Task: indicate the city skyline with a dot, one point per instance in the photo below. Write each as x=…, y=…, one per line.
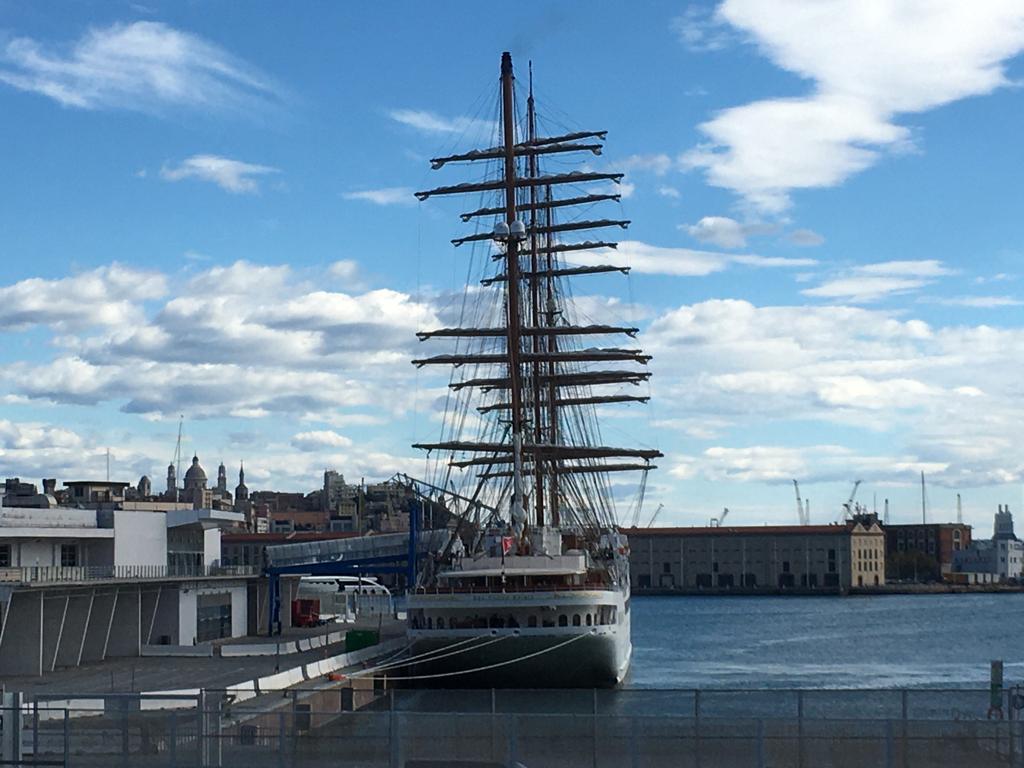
x=203, y=221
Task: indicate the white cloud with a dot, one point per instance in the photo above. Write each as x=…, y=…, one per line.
x=868, y=62
x=658, y=164
x=652, y=259
x=141, y=66
x=945, y=398
x=719, y=230
x=384, y=196
x=872, y=282
x=106, y=296
x=979, y=302
x=431, y=122
x=319, y=439
x=21, y=436
x=667, y=191
x=805, y=237
x=246, y=340
x=232, y=175
x=918, y=268
x=700, y=29
x=810, y=464
x=345, y=269
x=864, y=289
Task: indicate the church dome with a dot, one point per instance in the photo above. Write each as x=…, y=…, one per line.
x=195, y=474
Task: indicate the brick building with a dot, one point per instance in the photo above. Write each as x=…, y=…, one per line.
x=926, y=541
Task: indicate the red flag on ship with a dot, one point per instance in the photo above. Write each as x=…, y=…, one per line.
x=506, y=544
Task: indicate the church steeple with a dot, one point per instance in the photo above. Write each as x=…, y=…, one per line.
x=241, y=492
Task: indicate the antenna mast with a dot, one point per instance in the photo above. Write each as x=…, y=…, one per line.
x=959, y=511
x=177, y=457
x=924, y=509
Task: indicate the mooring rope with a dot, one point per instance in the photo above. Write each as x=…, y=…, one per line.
x=486, y=667
x=430, y=655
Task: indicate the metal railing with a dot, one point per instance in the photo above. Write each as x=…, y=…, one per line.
x=324, y=729
x=64, y=574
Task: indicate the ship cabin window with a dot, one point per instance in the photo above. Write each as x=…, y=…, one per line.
x=575, y=619
x=532, y=621
x=563, y=621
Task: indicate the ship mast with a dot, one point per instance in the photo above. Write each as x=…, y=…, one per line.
x=550, y=448
x=538, y=427
x=512, y=270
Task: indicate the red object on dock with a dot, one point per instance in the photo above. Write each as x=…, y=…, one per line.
x=305, y=612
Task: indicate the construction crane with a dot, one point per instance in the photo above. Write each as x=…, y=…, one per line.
x=639, y=502
x=803, y=514
x=655, y=515
x=716, y=522
x=848, y=504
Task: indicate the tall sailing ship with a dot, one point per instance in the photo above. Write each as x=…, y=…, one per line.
x=533, y=588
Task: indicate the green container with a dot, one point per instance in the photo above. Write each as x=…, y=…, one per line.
x=356, y=639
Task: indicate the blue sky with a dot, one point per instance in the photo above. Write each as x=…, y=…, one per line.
x=205, y=210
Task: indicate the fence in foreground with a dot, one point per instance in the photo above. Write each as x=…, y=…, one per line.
x=535, y=729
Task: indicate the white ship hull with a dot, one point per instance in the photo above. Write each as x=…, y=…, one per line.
x=502, y=650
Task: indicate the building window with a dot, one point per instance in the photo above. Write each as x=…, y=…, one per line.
x=68, y=555
x=5, y=555
x=563, y=621
x=666, y=567
x=213, y=617
x=785, y=566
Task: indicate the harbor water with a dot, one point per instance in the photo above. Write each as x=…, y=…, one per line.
x=940, y=640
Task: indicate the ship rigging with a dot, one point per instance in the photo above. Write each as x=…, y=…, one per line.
x=523, y=365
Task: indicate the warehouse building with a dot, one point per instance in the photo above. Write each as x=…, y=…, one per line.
x=767, y=557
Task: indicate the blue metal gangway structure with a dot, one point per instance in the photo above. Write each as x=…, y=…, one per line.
x=373, y=554
x=360, y=555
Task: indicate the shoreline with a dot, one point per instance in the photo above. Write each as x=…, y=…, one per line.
x=893, y=589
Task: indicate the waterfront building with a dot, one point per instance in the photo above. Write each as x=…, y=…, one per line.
x=924, y=551
x=1001, y=557
x=83, y=585
x=758, y=557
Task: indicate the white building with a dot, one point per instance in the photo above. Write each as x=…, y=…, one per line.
x=1002, y=556
x=83, y=585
